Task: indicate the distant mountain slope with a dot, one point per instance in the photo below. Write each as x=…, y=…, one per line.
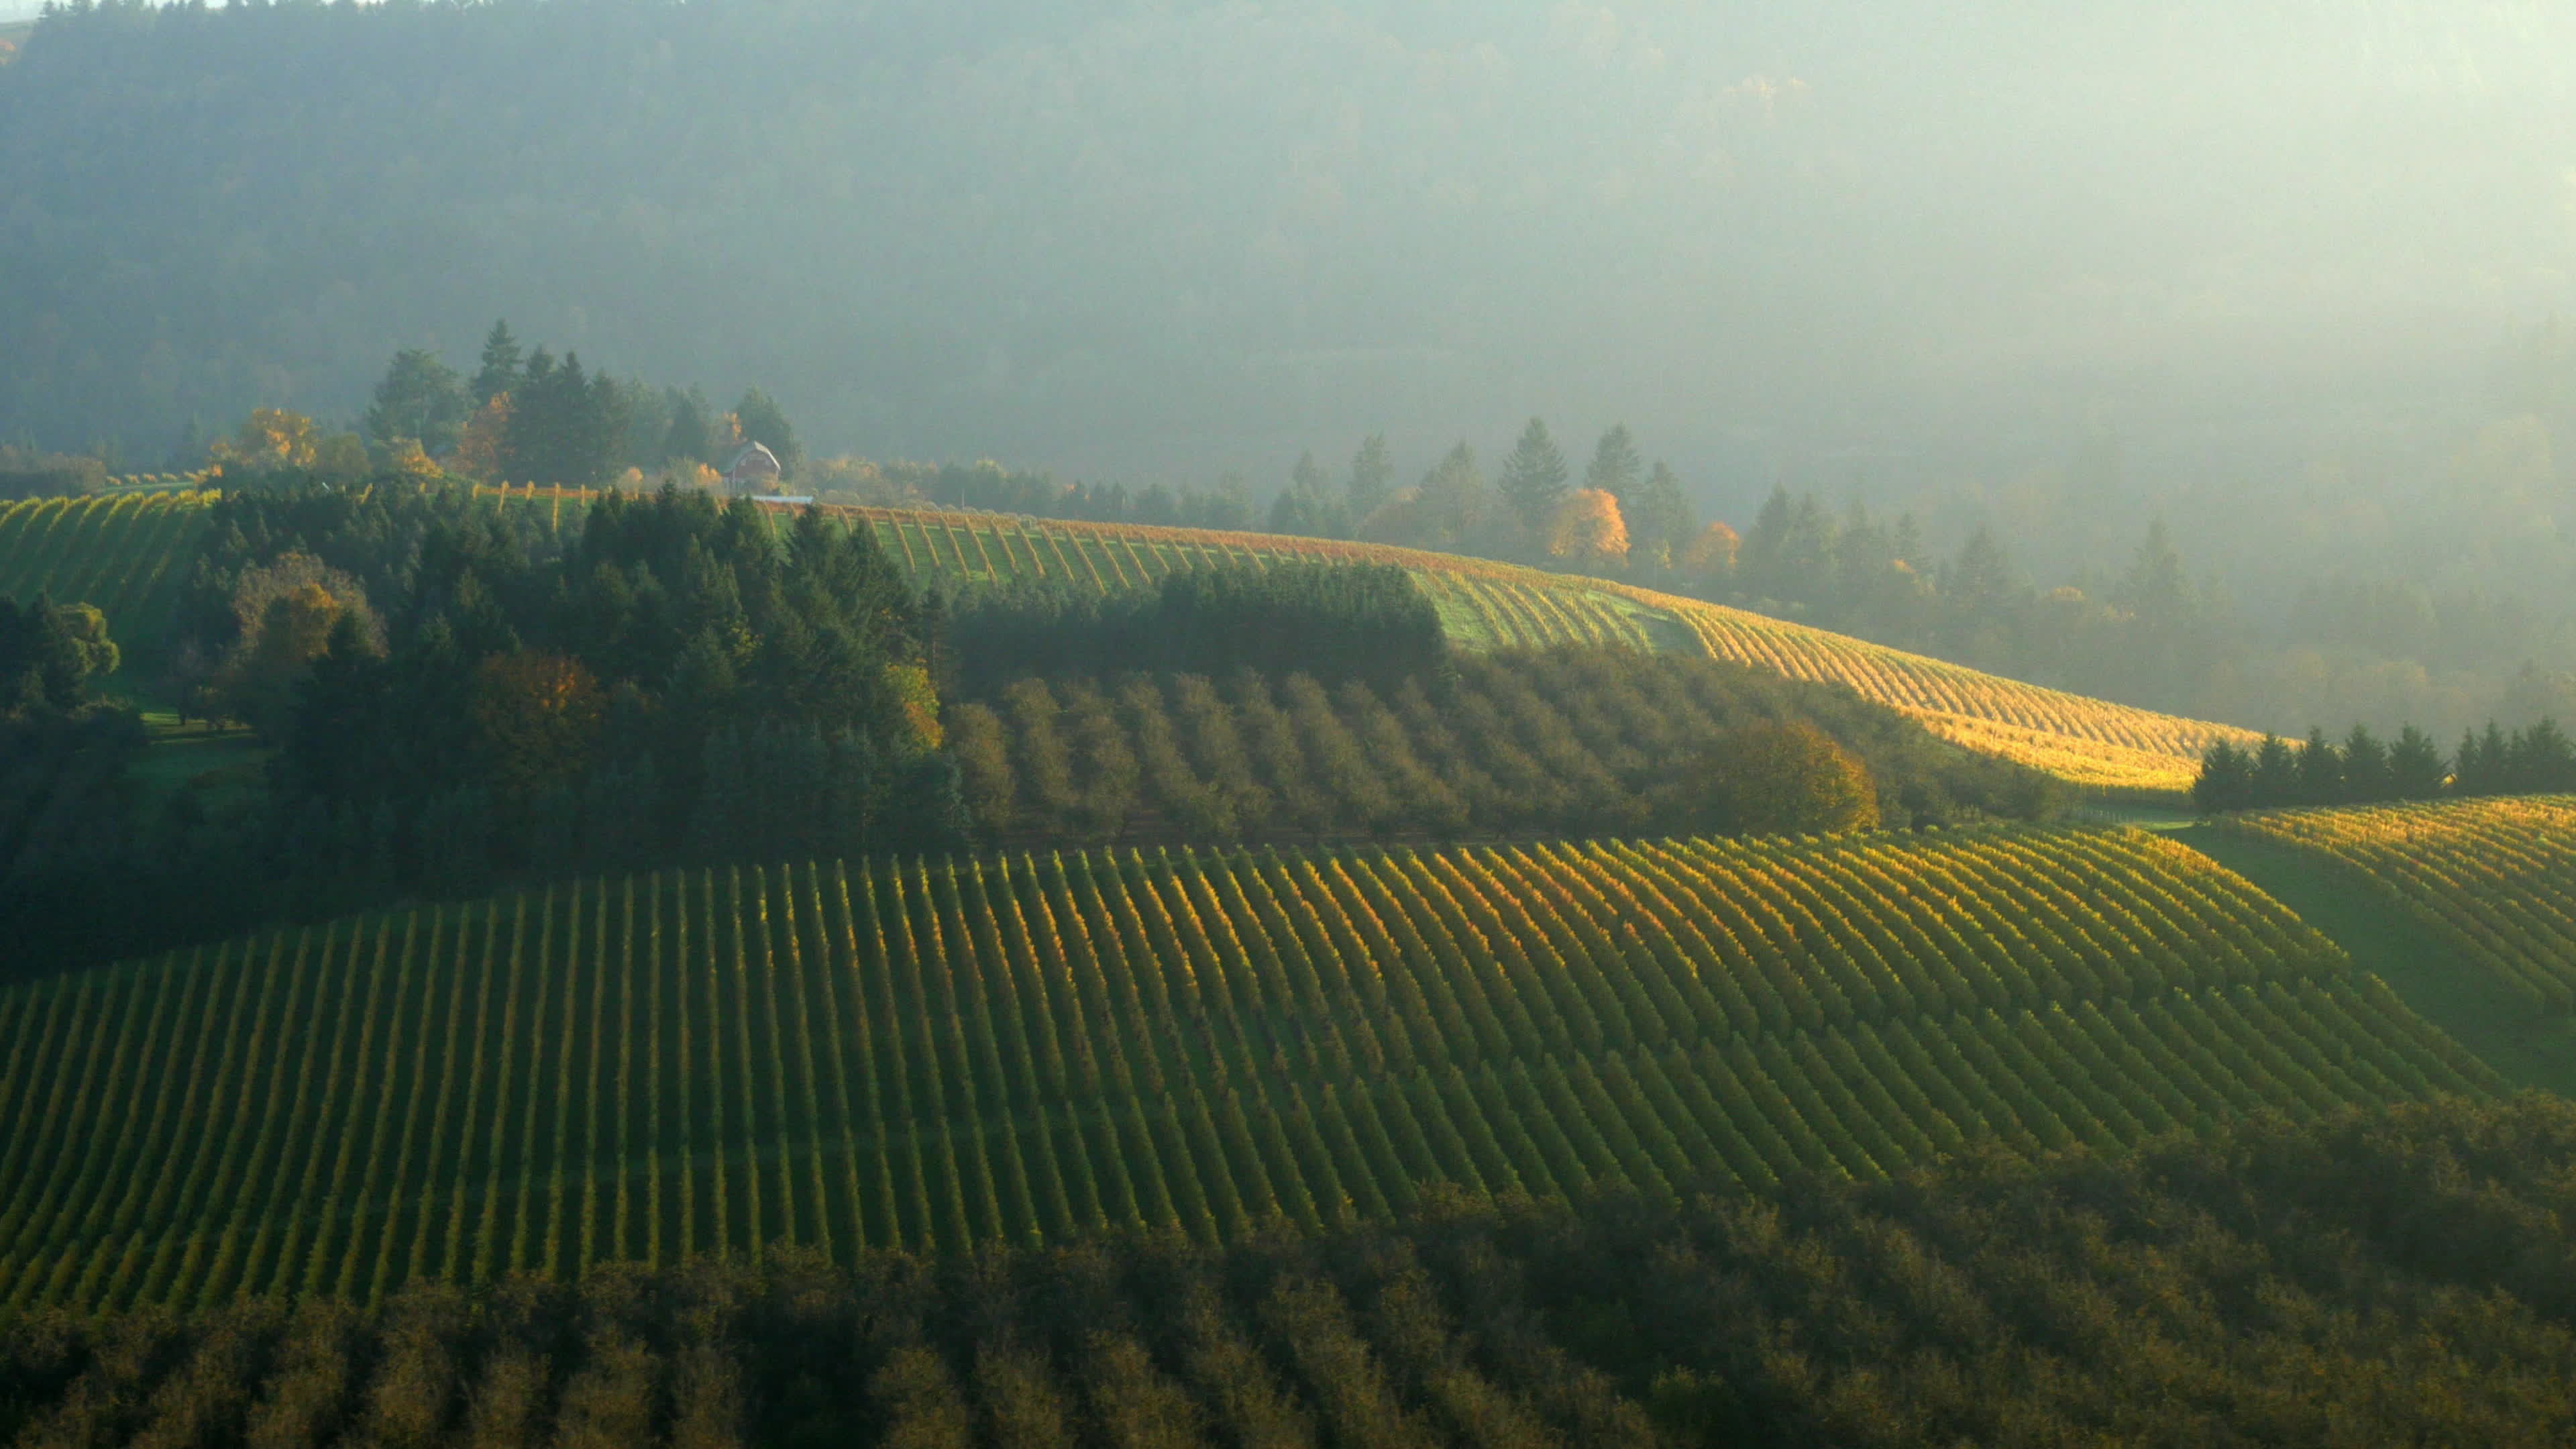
x=1032, y=1047
x=134, y=547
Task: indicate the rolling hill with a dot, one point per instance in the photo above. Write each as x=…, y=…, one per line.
x=1033, y=1047
x=134, y=548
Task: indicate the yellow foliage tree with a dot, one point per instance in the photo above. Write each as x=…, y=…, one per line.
x=1781, y=779
x=414, y=465
x=1588, y=528
x=919, y=700
x=270, y=438
x=286, y=614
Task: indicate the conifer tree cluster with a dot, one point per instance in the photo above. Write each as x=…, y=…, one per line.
x=2536, y=759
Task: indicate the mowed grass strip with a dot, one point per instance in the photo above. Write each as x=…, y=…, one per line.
x=2491, y=881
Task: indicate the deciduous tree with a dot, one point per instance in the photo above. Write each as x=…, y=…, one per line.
x=1588, y=529
x=1784, y=778
x=420, y=398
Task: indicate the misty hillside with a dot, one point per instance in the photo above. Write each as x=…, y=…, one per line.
x=1173, y=239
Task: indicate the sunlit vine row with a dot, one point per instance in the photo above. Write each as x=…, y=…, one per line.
x=1030, y=1047
x=128, y=553
x=2495, y=879
x=138, y=545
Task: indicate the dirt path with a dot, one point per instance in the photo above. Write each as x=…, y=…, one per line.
x=2528, y=1048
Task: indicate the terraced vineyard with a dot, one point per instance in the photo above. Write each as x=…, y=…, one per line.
x=128, y=553
x=1031, y=1047
x=2494, y=879
x=136, y=546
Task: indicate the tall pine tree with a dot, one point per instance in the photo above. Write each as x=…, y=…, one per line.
x=1534, y=476
x=500, y=371
x=1615, y=467
x=1372, y=479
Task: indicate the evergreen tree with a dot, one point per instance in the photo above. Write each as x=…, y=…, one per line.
x=1979, y=583
x=691, y=438
x=500, y=371
x=2226, y=780
x=2485, y=762
x=1372, y=478
x=2365, y=767
x=2276, y=773
x=2542, y=759
x=2320, y=770
x=565, y=426
x=2415, y=766
x=1452, y=498
x=420, y=398
x=1615, y=466
x=1534, y=478
x=1662, y=523
x=1306, y=507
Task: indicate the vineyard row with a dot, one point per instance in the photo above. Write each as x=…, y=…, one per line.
x=1036, y=1047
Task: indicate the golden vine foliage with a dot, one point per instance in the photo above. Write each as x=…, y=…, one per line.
x=938, y=1054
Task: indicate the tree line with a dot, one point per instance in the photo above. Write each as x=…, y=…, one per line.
x=2536, y=759
x=2374, y=1276
x=528, y=417
x=455, y=697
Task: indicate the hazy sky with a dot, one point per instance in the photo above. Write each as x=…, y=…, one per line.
x=1162, y=239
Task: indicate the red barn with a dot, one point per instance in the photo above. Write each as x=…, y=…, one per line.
x=753, y=470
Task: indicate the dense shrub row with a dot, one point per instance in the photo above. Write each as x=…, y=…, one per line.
x=2395, y=1277
x=1570, y=740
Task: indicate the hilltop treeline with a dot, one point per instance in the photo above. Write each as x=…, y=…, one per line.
x=458, y=696
x=2377, y=1277
x=2536, y=759
x=1333, y=621
x=1570, y=741
x=993, y=488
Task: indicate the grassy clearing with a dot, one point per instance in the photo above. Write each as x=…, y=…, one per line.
x=2526, y=1047
x=209, y=758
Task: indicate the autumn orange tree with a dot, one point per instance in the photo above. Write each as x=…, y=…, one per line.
x=1711, y=555
x=1588, y=529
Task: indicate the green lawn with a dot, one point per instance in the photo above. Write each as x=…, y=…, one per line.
x=210, y=759
x=2524, y=1046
